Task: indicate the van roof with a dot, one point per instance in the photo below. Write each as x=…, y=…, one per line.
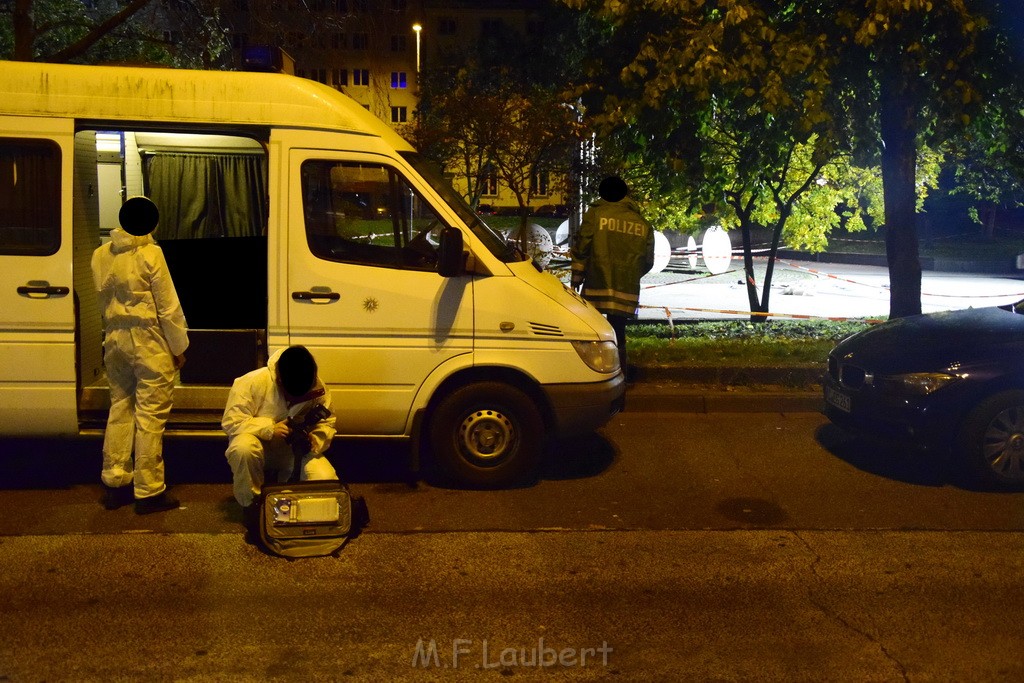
x=122, y=93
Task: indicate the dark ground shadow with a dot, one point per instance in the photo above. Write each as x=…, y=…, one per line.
x=581, y=457
x=64, y=463
x=899, y=463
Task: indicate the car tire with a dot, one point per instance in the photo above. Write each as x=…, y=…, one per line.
x=992, y=440
x=486, y=435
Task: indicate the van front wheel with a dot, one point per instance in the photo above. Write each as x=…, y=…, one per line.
x=487, y=435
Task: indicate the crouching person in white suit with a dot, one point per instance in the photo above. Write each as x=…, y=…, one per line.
x=261, y=419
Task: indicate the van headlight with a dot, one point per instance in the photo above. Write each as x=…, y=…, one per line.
x=915, y=383
x=600, y=356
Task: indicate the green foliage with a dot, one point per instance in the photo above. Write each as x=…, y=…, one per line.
x=772, y=330
x=114, y=31
x=775, y=343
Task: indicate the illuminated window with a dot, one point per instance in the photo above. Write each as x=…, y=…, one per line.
x=398, y=79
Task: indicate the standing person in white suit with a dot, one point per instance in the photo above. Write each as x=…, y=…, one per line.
x=144, y=346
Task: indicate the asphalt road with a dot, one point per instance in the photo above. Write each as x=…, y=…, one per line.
x=667, y=547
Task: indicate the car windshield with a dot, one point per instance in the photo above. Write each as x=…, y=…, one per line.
x=494, y=242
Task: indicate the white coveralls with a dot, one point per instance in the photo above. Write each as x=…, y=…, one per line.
x=255, y=404
x=145, y=329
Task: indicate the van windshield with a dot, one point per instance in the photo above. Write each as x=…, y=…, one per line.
x=508, y=252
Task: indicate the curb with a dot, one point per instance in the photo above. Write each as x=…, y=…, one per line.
x=726, y=390
x=641, y=399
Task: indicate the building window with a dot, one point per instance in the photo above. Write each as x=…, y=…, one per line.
x=398, y=43
x=398, y=79
x=339, y=41
x=319, y=75
x=446, y=26
x=360, y=77
x=489, y=184
x=491, y=28
x=399, y=114
x=339, y=77
x=360, y=41
x=29, y=180
x=539, y=183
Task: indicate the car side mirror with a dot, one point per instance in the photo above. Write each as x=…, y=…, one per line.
x=450, y=259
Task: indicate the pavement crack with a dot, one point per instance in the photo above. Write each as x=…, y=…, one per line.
x=836, y=616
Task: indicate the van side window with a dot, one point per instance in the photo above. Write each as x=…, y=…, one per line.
x=29, y=197
x=368, y=214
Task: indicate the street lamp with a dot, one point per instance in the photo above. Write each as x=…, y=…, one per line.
x=417, y=28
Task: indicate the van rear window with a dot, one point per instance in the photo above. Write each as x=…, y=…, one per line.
x=30, y=197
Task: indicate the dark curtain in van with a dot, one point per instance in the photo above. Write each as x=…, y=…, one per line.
x=29, y=197
x=208, y=195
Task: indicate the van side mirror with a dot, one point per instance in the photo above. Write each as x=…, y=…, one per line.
x=450, y=261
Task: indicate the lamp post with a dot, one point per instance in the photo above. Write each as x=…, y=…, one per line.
x=417, y=28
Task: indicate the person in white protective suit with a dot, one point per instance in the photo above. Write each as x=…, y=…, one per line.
x=144, y=345
x=276, y=416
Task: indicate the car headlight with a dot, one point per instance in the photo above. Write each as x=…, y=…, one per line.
x=600, y=356
x=915, y=383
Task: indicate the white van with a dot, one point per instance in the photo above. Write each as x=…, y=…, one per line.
x=288, y=215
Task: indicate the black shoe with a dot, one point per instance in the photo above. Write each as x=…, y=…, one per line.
x=157, y=503
x=251, y=522
x=115, y=497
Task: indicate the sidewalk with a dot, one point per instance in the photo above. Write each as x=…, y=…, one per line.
x=725, y=390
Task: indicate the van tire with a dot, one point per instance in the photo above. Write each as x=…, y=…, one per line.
x=487, y=435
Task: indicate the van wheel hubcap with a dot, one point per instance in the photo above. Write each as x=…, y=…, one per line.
x=486, y=435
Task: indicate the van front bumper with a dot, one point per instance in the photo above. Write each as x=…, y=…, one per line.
x=582, y=408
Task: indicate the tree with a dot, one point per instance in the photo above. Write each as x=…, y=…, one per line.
x=496, y=109
x=988, y=159
x=874, y=78
x=729, y=98
x=173, y=32
x=910, y=66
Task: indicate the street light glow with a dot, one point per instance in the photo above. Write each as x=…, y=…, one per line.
x=417, y=28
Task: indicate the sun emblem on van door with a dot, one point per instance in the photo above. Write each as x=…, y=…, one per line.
x=370, y=305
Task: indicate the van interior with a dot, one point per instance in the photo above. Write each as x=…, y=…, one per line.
x=211, y=190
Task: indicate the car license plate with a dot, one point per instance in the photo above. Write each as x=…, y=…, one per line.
x=836, y=398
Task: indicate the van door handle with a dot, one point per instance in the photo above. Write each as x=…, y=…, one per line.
x=42, y=290
x=313, y=296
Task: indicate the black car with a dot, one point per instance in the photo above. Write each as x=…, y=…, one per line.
x=937, y=381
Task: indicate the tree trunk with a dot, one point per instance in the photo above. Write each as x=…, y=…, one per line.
x=24, y=30
x=748, y=273
x=899, y=161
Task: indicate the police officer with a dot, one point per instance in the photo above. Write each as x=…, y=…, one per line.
x=613, y=250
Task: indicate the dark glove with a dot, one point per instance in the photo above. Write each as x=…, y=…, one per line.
x=577, y=281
